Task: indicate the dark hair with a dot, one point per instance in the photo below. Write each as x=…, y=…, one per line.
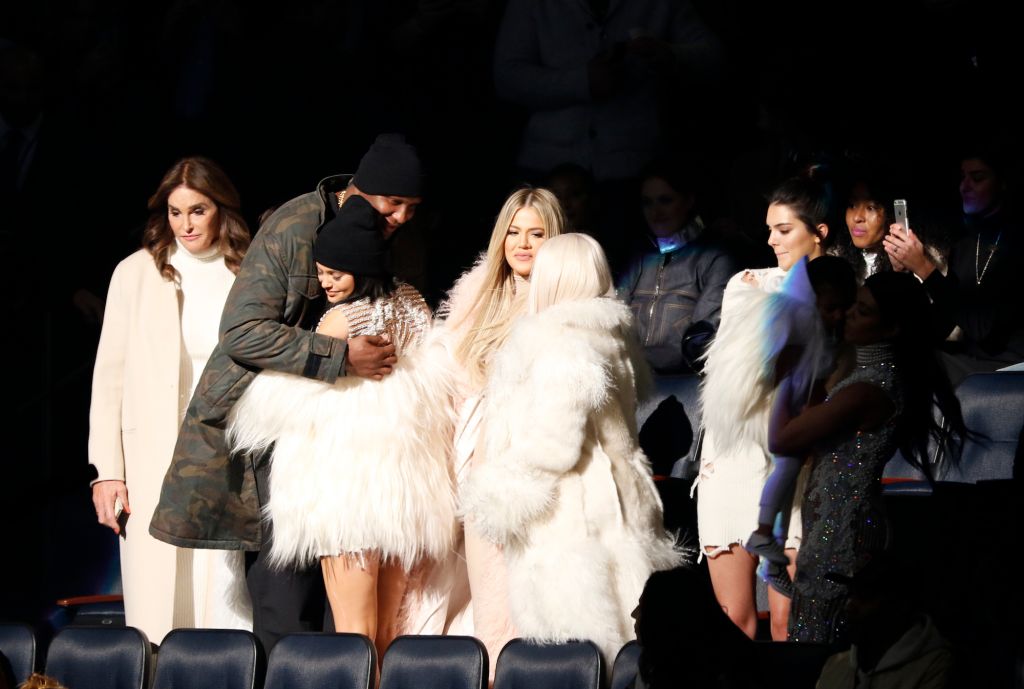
x=207, y=178
x=374, y=287
x=992, y=156
x=809, y=199
x=879, y=191
x=904, y=303
x=835, y=273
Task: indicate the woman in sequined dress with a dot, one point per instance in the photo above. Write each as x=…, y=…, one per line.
x=884, y=404
x=359, y=476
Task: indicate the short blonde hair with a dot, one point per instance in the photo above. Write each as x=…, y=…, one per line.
x=569, y=268
x=492, y=310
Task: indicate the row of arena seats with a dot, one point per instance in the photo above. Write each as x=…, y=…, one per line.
x=121, y=658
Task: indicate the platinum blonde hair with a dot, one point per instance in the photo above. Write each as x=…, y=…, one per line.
x=493, y=309
x=571, y=267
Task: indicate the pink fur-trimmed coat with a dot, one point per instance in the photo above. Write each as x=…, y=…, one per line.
x=564, y=486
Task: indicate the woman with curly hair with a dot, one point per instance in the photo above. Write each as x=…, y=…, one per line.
x=160, y=325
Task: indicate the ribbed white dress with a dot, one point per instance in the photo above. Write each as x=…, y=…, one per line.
x=217, y=597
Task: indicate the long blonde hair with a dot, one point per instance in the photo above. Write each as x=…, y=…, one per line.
x=495, y=305
x=569, y=268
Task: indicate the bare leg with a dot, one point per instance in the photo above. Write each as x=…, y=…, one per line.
x=391, y=586
x=778, y=605
x=732, y=577
x=351, y=584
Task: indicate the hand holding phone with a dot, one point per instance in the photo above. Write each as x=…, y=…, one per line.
x=899, y=207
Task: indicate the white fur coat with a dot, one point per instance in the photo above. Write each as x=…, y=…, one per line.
x=563, y=484
x=760, y=315
x=357, y=465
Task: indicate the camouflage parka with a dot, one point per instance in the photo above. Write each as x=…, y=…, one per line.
x=209, y=499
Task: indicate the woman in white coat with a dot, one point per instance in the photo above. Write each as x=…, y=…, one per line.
x=476, y=319
x=160, y=324
x=564, y=487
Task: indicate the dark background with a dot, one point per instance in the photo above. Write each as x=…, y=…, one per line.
x=284, y=94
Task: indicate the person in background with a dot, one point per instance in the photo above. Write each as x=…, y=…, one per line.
x=978, y=307
x=159, y=329
x=675, y=287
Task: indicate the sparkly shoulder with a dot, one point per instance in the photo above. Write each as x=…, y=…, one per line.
x=875, y=366
x=403, y=316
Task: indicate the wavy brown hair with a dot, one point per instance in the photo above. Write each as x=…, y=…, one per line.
x=206, y=177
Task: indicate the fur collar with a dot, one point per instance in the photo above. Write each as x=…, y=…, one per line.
x=599, y=313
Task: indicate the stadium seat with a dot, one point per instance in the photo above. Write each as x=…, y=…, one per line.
x=100, y=658
x=570, y=665
x=322, y=661
x=208, y=659
x=17, y=652
x=434, y=662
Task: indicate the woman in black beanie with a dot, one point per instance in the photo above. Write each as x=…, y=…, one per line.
x=359, y=475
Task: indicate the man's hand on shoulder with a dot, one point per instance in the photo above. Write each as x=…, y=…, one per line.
x=370, y=356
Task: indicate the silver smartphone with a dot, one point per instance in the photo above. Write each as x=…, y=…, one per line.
x=899, y=208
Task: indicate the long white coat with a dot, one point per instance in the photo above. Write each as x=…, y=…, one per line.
x=564, y=486
x=134, y=417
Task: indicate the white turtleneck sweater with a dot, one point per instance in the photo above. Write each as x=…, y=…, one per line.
x=211, y=584
x=205, y=283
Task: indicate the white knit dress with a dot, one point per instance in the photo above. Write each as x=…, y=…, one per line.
x=736, y=397
x=217, y=597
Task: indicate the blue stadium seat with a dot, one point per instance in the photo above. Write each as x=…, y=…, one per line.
x=322, y=661
x=208, y=659
x=570, y=665
x=627, y=664
x=993, y=406
x=17, y=652
x=100, y=658
x=434, y=662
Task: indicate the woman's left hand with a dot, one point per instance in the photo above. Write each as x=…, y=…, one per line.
x=906, y=252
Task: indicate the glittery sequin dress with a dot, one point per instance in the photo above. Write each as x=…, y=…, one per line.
x=843, y=515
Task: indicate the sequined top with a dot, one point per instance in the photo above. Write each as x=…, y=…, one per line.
x=843, y=515
x=403, y=316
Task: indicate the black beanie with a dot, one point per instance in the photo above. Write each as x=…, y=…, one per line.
x=390, y=168
x=351, y=241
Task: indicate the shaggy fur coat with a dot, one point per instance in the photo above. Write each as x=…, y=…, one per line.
x=563, y=485
x=358, y=464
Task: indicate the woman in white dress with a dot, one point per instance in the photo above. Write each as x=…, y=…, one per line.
x=736, y=396
x=160, y=324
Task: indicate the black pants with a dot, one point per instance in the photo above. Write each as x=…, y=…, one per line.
x=284, y=601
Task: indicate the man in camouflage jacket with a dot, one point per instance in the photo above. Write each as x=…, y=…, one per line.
x=210, y=499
